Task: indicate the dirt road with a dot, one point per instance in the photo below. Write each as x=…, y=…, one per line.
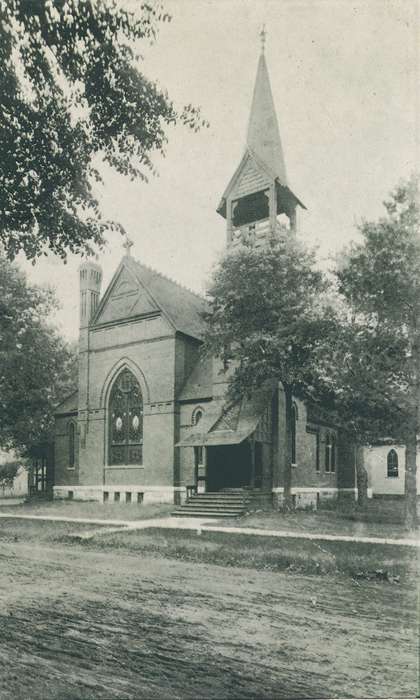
x=80, y=623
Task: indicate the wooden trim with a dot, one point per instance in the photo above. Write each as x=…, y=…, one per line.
x=132, y=342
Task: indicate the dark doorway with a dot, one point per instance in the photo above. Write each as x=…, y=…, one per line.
x=228, y=467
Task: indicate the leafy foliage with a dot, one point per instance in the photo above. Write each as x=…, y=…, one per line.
x=37, y=368
x=375, y=367
x=266, y=316
x=71, y=90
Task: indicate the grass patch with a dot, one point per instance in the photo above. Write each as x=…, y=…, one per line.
x=13, y=530
x=381, y=518
x=91, y=509
x=270, y=554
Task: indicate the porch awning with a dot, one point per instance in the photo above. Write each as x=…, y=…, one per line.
x=226, y=425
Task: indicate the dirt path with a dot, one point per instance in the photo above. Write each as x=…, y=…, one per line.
x=204, y=525
x=79, y=623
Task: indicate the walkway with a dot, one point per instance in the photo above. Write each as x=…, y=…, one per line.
x=201, y=525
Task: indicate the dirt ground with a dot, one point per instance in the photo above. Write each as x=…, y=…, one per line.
x=77, y=622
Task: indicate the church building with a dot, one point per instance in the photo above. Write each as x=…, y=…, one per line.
x=150, y=421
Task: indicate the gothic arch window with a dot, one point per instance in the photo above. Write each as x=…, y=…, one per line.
x=72, y=445
x=294, y=418
x=392, y=464
x=125, y=420
x=197, y=415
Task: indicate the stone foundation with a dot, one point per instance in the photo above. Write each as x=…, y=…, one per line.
x=311, y=497
x=121, y=493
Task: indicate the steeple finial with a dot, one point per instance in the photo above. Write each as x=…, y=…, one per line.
x=128, y=244
x=263, y=37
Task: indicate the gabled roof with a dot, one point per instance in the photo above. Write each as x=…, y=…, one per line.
x=69, y=405
x=199, y=384
x=181, y=306
x=227, y=425
x=264, y=168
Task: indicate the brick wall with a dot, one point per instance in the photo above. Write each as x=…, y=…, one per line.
x=308, y=482
x=63, y=473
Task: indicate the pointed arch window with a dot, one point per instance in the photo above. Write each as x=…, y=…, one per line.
x=125, y=421
x=330, y=452
x=392, y=464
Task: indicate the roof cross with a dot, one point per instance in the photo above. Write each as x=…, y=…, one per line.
x=128, y=244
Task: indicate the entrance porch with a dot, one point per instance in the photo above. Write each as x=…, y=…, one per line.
x=233, y=466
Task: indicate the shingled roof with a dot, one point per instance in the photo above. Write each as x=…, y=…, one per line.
x=182, y=307
x=69, y=405
x=199, y=384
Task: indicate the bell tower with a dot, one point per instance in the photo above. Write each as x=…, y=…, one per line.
x=90, y=280
x=258, y=204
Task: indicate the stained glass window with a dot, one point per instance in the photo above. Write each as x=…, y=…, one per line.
x=126, y=421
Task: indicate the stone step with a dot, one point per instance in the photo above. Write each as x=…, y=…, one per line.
x=185, y=513
x=223, y=501
x=216, y=508
x=217, y=500
x=225, y=496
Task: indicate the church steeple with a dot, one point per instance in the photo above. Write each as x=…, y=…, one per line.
x=258, y=192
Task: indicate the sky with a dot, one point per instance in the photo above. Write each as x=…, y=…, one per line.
x=344, y=77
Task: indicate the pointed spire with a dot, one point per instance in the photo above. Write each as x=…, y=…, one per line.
x=263, y=137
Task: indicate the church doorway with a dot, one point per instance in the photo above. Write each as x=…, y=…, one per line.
x=228, y=467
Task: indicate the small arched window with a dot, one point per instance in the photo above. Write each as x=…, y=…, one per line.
x=196, y=416
x=72, y=444
x=294, y=418
x=392, y=464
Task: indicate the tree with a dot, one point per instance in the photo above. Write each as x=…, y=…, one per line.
x=362, y=379
x=71, y=90
x=266, y=318
x=37, y=368
x=377, y=365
